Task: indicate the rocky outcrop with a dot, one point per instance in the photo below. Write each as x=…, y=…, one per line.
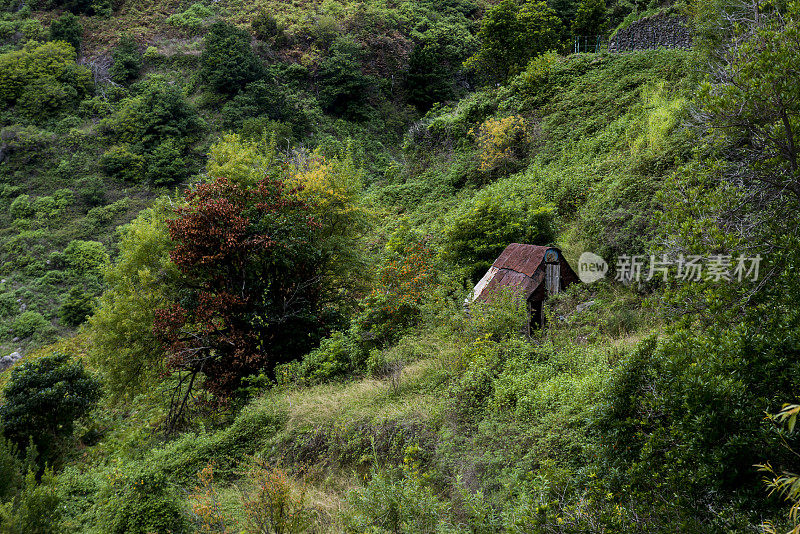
x=9, y=360
x=656, y=31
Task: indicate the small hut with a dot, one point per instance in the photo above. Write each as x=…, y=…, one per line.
x=537, y=272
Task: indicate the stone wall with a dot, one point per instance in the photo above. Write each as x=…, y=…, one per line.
x=652, y=32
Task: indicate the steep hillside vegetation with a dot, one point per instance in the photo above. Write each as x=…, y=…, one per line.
x=236, y=241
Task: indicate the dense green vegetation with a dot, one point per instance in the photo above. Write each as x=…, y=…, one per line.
x=235, y=242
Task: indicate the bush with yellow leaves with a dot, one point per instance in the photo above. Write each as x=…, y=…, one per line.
x=502, y=143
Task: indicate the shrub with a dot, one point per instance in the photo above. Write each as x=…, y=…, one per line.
x=43, y=398
x=337, y=355
x=140, y=500
x=265, y=26
x=91, y=190
x=264, y=99
x=76, y=307
x=120, y=163
x=193, y=20
x=43, y=78
x=160, y=112
x=127, y=60
x=10, y=469
x=270, y=500
x=482, y=227
x=502, y=143
x=273, y=502
x=394, y=501
x=685, y=415
x=67, y=28
x=434, y=65
x=85, y=257
x=166, y=164
x=343, y=88
x=22, y=208
x=37, y=509
x=28, y=324
x=227, y=62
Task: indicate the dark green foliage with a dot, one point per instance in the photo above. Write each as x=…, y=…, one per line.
x=76, y=307
x=91, y=190
x=120, y=163
x=88, y=7
x=161, y=113
x=127, y=60
x=343, y=88
x=265, y=26
x=434, y=65
x=686, y=415
x=337, y=356
x=10, y=469
x=265, y=99
x=166, y=164
x=67, y=28
x=591, y=18
x=142, y=501
x=43, y=399
x=228, y=63
x=512, y=34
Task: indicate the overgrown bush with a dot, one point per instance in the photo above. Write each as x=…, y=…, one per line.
x=76, y=307
x=43, y=79
x=85, y=257
x=28, y=324
x=228, y=63
x=44, y=398
x=513, y=34
x=127, y=60
x=36, y=509
x=395, y=501
x=67, y=28
x=140, y=500
x=193, y=19
x=482, y=227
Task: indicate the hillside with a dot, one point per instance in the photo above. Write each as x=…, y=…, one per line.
x=236, y=242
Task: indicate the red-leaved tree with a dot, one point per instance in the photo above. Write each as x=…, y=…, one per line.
x=251, y=288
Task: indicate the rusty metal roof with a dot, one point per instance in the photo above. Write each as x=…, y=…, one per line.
x=521, y=258
x=521, y=267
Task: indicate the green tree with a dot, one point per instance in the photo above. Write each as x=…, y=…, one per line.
x=37, y=509
x=511, y=35
x=67, y=28
x=343, y=88
x=139, y=281
x=434, y=65
x=127, y=60
x=43, y=398
x=591, y=19
x=159, y=113
x=227, y=62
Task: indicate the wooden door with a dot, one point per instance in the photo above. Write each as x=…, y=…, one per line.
x=552, y=279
